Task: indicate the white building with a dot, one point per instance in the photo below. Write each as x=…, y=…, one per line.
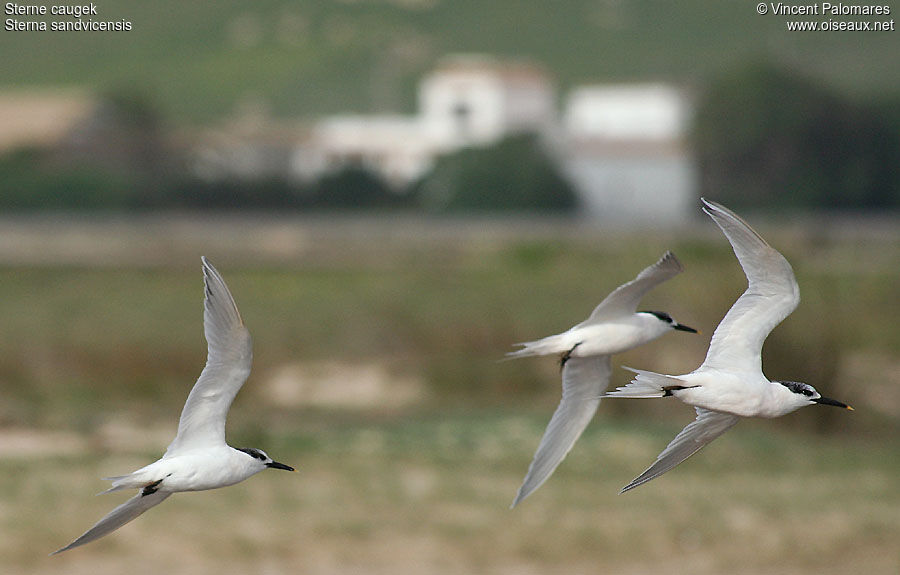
x=623, y=112
x=625, y=150
x=624, y=147
x=472, y=100
x=466, y=100
x=396, y=147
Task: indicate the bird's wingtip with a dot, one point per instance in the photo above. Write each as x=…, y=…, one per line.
x=670, y=257
x=634, y=483
x=710, y=206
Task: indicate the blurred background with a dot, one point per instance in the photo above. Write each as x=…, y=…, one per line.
x=396, y=192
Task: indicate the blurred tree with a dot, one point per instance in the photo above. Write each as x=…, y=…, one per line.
x=353, y=187
x=234, y=193
x=349, y=188
x=33, y=180
x=516, y=174
x=766, y=136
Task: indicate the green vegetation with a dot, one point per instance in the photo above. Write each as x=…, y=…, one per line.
x=352, y=188
x=309, y=57
x=768, y=137
x=127, y=167
x=516, y=174
x=34, y=180
x=443, y=310
x=786, y=119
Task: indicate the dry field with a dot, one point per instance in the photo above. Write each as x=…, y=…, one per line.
x=376, y=374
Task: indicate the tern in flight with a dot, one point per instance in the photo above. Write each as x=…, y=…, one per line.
x=585, y=349
x=730, y=384
x=198, y=458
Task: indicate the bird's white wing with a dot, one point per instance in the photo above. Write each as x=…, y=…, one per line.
x=229, y=355
x=771, y=295
x=118, y=517
x=584, y=379
x=625, y=298
x=708, y=426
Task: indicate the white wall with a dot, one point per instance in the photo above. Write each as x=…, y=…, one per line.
x=648, y=112
x=499, y=98
x=655, y=188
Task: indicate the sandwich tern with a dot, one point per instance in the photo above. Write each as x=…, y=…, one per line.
x=198, y=458
x=730, y=384
x=585, y=349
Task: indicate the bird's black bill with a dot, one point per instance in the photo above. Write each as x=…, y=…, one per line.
x=834, y=402
x=276, y=465
x=680, y=327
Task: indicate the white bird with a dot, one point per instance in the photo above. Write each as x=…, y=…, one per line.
x=730, y=384
x=613, y=327
x=198, y=458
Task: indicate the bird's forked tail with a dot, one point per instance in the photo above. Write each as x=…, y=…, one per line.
x=647, y=384
x=546, y=346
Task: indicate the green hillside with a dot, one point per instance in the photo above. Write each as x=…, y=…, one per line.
x=199, y=61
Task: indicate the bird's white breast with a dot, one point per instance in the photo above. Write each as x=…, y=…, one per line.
x=203, y=469
x=613, y=337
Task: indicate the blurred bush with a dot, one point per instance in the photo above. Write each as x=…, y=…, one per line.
x=349, y=188
x=35, y=179
x=515, y=174
x=355, y=187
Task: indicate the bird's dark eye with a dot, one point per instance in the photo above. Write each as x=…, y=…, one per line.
x=798, y=387
x=662, y=316
x=254, y=453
